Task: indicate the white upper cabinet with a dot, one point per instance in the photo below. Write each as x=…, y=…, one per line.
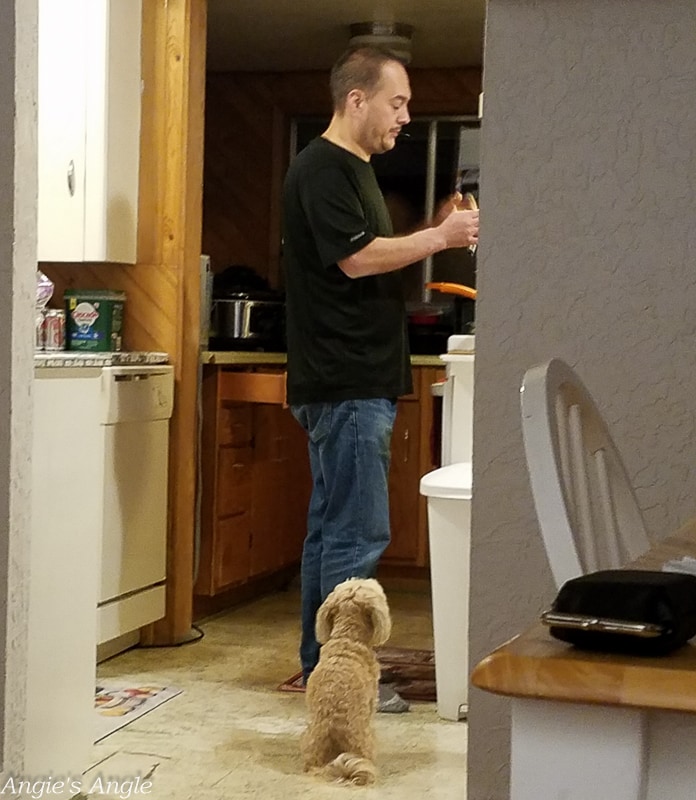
x=88, y=129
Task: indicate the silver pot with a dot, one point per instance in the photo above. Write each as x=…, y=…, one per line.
x=242, y=318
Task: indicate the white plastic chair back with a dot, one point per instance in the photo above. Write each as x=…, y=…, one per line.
x=587, y=510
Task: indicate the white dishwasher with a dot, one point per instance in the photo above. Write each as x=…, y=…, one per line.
x=137, y=404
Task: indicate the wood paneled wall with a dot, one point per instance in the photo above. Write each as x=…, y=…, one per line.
x=247, y=144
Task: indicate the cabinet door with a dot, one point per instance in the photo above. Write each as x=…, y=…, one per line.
x=226, y=469
x=62, y=34
x=231, y=561
x=89, y=89
x=282, y=486
x=234, y=480
x=112, y=130
x=232, y=518
x=270, y=490
x=404, y=477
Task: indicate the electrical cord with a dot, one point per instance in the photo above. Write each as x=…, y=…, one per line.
x=191, y=640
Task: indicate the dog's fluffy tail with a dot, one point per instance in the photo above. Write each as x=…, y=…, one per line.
x=350, y=768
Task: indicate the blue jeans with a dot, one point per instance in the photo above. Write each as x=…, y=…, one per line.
x=348, y=517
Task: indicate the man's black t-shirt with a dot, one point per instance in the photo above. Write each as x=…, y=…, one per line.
x=347, y=337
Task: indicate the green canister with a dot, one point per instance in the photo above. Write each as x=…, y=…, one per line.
x=94, y=319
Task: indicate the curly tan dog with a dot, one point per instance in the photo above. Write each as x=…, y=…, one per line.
x=342, y=691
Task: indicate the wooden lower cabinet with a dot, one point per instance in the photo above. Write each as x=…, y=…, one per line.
x=255, y=486
x=256, y=483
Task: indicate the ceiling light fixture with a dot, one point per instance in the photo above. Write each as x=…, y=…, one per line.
x=396, y=36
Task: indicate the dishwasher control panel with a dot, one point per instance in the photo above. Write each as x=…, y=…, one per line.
x=138, y=392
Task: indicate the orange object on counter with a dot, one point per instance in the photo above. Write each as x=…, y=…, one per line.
x=453, y=288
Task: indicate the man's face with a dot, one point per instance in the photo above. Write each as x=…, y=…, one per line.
x=386, y=111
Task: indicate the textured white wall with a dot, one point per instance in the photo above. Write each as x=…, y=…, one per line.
x=17, y=290
x=588, y=252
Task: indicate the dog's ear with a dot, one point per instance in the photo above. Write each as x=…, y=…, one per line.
x=381, y=623
x=377, y=609
x=325, y=622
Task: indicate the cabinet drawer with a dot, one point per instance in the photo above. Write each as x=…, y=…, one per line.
x=236, y=425
x=253, y=387
x=234, y=480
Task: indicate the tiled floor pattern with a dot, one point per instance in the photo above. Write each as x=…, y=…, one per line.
x=231, y=735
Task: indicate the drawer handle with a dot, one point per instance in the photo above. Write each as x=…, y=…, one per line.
x=71, y=178
x=131, y=377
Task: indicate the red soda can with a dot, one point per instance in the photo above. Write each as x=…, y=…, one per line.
x=54, y=326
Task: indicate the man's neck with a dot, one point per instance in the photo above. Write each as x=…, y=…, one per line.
x=339, y=133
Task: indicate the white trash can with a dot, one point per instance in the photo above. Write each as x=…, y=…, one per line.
x=448, y=491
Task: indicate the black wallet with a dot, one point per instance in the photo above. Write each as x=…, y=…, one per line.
x=625, y=611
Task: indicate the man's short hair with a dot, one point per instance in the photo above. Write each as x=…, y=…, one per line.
x=360, y=67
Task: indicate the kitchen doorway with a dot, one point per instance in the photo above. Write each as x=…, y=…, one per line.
x=257, y=92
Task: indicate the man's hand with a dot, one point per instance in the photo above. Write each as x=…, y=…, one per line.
x=461, y=228
x=446, y=207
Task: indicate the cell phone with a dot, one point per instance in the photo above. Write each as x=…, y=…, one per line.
x=644, y=630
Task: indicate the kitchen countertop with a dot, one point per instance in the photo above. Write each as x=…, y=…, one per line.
x=237, y=358
x=75, y=358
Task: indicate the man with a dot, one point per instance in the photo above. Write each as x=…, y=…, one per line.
x=347, y=340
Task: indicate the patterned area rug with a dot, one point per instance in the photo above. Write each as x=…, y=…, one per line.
x=412, y=672
x=117, y=704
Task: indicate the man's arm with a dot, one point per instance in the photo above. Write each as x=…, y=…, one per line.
x=458, y=229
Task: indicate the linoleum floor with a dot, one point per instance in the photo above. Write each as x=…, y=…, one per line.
x=231, y=735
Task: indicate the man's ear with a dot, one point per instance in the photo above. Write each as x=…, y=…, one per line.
x=355, y=99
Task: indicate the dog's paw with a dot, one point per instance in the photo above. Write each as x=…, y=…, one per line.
x=350, y=768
